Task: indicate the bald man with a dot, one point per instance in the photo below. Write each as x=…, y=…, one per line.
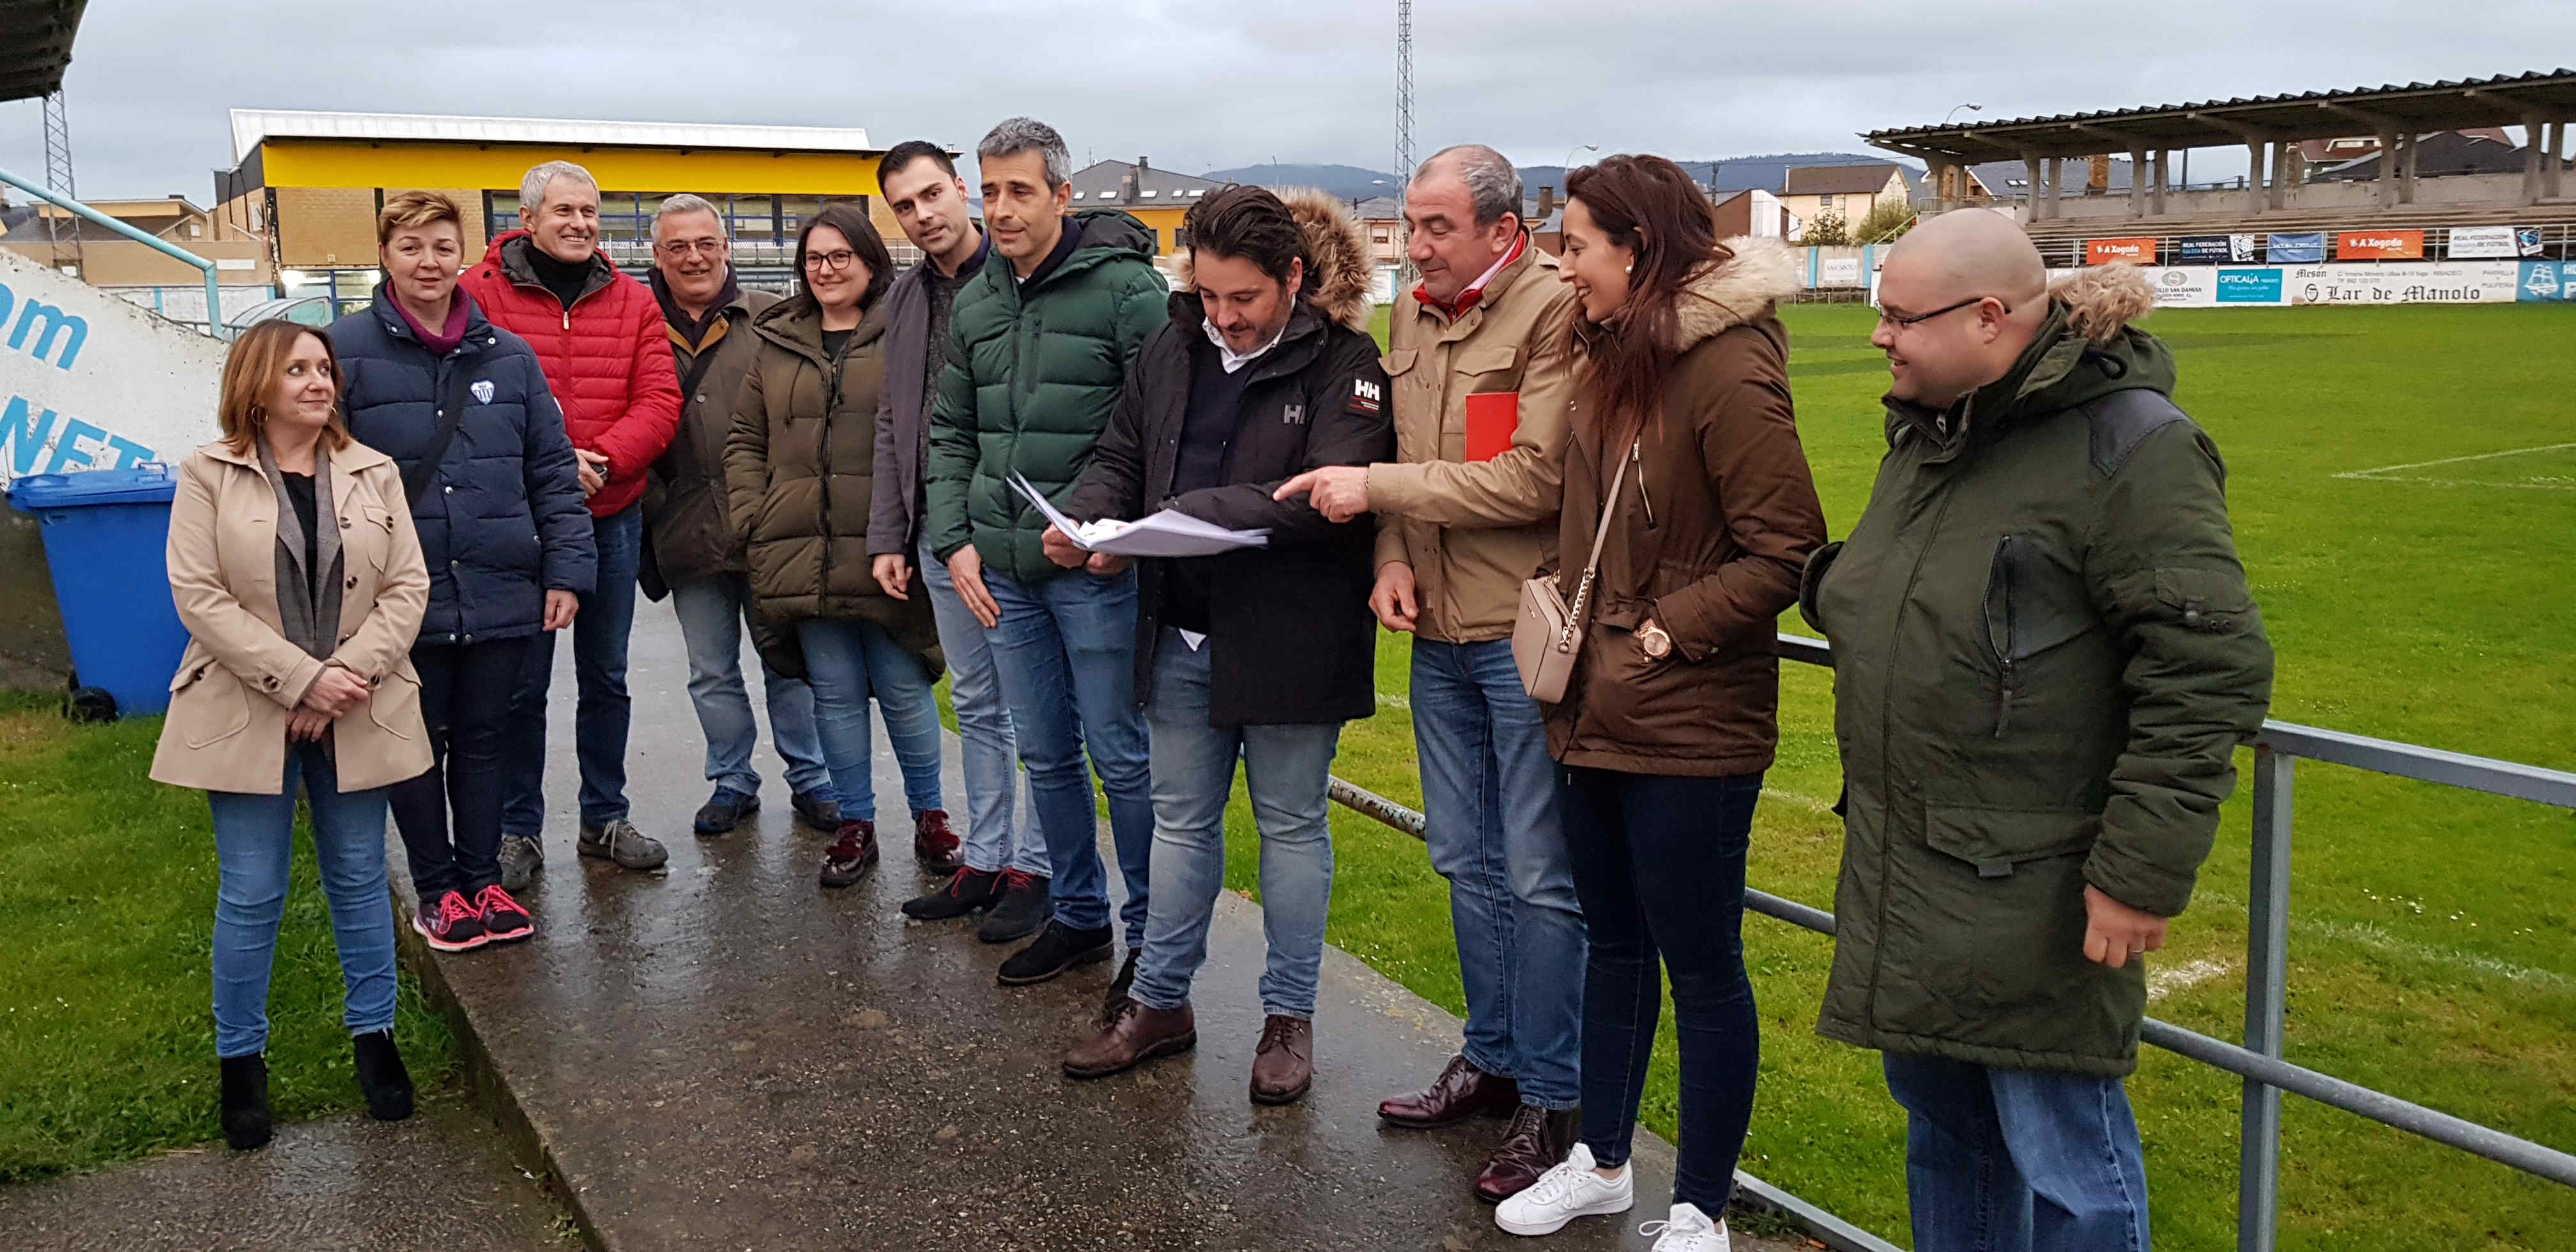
x=2045, y=657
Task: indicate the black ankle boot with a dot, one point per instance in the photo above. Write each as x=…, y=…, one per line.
x=245, y=1107
x=382, y=1076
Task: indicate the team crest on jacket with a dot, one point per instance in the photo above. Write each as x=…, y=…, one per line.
x=482, y=390
x=1365, y=397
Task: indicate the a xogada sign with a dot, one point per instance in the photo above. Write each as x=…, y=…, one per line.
x=88, y=381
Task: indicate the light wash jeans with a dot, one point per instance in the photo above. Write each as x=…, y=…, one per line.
x=1489, y=797
x=712, y=613
x=254, y=844
x=2004, y=1160
x=847, y=662
x=1286, y=770
x=989, y=753
x=1066, y=652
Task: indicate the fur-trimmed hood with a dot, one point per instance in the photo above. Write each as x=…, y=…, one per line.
x=2101, y=300
x=1339, y=278
x=1762, y=272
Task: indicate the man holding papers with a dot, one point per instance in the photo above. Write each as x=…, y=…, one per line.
x=1482, y=376
x=1260, y=651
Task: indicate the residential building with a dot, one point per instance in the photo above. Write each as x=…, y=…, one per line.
x=1756, y=212
x=1158, y=198
x=1845, y=191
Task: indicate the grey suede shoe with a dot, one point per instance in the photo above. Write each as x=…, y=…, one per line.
x=619, y=841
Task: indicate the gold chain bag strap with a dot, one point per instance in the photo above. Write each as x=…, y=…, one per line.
x=1548, y=633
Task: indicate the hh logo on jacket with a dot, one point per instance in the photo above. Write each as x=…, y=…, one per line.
x=1365, y=397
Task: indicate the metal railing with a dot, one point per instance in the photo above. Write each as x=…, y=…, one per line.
x=214, y=296
x=2258, y=1061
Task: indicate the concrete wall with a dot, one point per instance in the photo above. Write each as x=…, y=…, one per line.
x=87, y=381
x=2497, y=190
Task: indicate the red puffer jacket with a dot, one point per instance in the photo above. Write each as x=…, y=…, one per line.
x=607, y=359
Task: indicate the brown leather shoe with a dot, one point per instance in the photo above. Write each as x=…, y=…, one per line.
x=1130, y=1035
x=1283, y=1067
x=1460, y=1092
x=1537, y=1140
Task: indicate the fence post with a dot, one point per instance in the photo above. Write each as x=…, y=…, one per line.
x=2267, y=959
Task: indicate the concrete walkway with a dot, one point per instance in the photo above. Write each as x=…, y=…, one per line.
x=724, y=1055
x=442, y=1179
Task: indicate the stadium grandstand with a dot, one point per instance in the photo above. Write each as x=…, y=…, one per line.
x=2415, y=161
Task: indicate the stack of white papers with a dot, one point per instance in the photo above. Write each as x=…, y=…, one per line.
x=1164, y=534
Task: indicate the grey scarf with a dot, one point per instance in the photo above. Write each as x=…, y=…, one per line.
x=308, y=601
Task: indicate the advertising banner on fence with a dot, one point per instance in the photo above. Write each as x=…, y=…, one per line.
x=2112, y=251
x=1838, y=271
x=2500, y=242
x=2252, y=286
x=2444, y=282
x=2379, y=245
x=2210, y=287
x=2306, y=249
x=2547, y=280
x=2216, y=250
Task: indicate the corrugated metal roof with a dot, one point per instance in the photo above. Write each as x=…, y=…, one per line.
x=2444, y=105
x=252, y=125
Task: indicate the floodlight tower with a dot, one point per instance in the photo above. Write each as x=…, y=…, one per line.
x=62, y=230
x=1403, y=111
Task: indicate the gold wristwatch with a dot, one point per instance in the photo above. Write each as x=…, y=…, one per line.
x=1654, y=641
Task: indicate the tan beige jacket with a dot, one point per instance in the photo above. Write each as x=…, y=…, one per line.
x=1474, y=532
x=240, y=678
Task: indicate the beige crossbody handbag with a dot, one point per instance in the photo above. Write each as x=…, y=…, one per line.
x=1548, y=632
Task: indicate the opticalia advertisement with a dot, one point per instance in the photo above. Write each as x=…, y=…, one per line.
x=2379, y=245
x=2546, y=280
x=2306, y=249
x=2446, y=282
x=2114, y=251
x=2498, y=242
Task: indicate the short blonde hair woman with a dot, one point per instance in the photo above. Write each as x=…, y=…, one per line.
x=294, y=567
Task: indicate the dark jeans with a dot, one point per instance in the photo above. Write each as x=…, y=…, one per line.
x=465, y=692
x=601, y=716
x=1659, y=865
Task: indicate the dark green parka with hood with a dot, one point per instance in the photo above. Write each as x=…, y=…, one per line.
x=1033, y=371
x=2045, y=657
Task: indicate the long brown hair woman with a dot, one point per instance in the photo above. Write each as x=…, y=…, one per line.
x=1685, y=462
x=295, y=569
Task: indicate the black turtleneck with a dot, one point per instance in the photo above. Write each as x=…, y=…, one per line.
x=564, y=278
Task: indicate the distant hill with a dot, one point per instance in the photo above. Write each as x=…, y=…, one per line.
x=1727, y=174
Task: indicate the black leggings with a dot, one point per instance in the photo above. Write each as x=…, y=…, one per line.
x=465, y=697
x=1659, y=866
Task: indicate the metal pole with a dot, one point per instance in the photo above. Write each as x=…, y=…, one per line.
x=214, y=301
x=2267, y=960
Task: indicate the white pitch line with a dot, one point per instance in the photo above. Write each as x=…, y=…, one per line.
x=2166, y=981
x=2455, y=460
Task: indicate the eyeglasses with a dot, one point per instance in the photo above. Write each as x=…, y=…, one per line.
x=830, y=260
x=685, y=247
x=1901, y=321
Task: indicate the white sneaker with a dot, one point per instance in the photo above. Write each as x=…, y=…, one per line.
x=1573, y=1189
x=1688, y=1231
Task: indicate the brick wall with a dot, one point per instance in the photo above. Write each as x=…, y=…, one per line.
x=336, y=226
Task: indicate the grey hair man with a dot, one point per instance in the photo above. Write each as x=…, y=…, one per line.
x=693, y=553
x=1481, y=347
x=1005, y=874
x=600, y=337
x=2045, y=655
x=1037, y=353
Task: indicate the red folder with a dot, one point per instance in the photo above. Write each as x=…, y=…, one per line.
x=1492, y=419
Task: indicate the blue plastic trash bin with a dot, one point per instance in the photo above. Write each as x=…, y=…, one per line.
x=106, y=535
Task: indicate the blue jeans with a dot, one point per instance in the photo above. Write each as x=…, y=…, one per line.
x=1659, y=863
x=1489, y=797
x=712, y=612
x=254, y=843
x=2002, y=1160
x=1066, y=653
x=1286, y=770
x=602, y=715
x=989, y=753
x=848, y=662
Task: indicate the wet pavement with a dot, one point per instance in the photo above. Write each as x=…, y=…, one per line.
x=725, y=1055
x=442, y=1179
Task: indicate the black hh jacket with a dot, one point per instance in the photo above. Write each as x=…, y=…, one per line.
x=1290, y=634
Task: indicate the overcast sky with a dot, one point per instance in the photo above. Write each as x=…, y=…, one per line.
x=1211, y=84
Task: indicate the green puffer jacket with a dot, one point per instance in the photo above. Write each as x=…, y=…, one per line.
x=2045, y=656
x=1033, y=372
x=799, y=467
